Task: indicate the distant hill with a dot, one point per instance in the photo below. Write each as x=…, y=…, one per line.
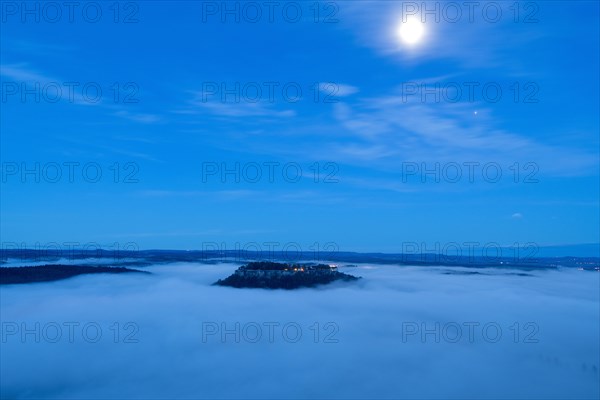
x=525, y=258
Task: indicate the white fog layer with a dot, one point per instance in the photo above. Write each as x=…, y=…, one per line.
x=400, y=332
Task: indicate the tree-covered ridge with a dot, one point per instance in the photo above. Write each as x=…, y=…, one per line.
x=47, y=273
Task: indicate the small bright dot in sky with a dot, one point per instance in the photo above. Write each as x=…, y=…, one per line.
x=474, y=112
x=411, y=31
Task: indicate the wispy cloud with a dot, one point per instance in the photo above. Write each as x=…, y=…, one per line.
x=187, y=233
x=37, y=48
x=139, y=117
x=392, y=127
x=337, y=89
x=21, y=72
x=221, y=194
x=284, y=196
x=242, y=108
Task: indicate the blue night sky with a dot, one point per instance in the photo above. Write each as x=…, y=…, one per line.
x=368, y=109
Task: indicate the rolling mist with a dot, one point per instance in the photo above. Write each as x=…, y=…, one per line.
x=400, y=332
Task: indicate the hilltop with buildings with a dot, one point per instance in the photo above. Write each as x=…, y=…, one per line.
x=272, y=275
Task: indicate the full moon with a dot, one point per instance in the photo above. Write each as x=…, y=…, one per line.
x=411, y=32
